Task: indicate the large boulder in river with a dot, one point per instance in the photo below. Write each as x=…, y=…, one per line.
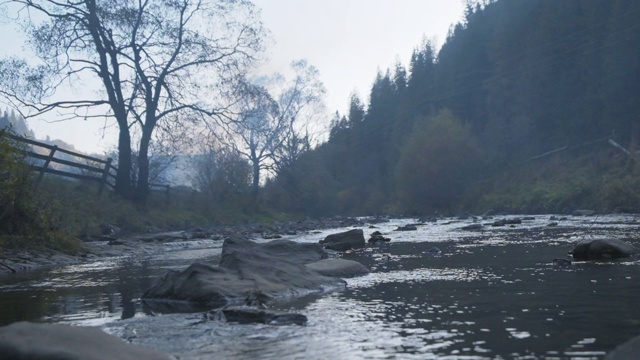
x=31, y=341
x=275, y=269
x=603, y=249
x=352, y=239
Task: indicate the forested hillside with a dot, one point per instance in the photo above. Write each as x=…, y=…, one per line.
x=462, y=128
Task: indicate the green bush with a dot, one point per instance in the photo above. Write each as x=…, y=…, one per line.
x=18, y=212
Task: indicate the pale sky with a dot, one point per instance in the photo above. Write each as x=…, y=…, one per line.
x=348, y=41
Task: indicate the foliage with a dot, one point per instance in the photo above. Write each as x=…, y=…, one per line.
x=436, y=165
x=520, y=78
x=17, y=207
x=24, y=220
x=223, y=176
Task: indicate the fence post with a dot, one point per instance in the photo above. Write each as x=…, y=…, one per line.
x=46, y=165
x=168, y=193
x=105, y=174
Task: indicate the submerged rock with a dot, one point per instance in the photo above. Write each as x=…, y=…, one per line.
x=275, y=269
x=434, y=251
x=408, y=227
x=248, y=315
x=473, y=227
x=377, y=236
x=352, y=239
x=503, y=222
x=603, y=249
x=25, y=340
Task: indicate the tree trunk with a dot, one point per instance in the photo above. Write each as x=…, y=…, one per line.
x=142, y=188
x=255, y=185
x=123, y=186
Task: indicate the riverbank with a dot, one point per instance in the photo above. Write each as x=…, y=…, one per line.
x=14, y=260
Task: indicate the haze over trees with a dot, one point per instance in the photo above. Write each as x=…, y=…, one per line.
x=514, y=79
x=272, y=127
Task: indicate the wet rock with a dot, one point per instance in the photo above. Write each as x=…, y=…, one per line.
x=434, y=251
x=503, y=222
x=248, y=315
x=472, y=227
x=603, y=249
x=338, y=268
x=275, y=269
x=352, y=239
x=271, y=236
x=110, y=230
x=377, y=220
x=561, y=262
x=25, y=340
x=116, y=242
x=583, y=212
x=552, y=224
x=408, y=227
x=377, y=236
x=161, y=237
x=346, y=222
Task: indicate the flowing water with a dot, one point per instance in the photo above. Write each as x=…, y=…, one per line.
x=486, y=294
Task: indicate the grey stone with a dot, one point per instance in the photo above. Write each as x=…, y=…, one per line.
x=31, y=341
x=603, y=249
x=352, y=239
x=248, y=315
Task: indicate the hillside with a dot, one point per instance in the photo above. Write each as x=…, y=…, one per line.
x=514, y=80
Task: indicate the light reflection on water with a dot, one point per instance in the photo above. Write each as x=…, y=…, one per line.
x=486, y=294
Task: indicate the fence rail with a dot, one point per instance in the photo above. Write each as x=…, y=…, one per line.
x=92, y=169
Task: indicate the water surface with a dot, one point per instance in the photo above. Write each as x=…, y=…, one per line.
x=486, y=294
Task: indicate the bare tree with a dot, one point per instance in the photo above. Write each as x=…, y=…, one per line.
x=221, y=173
x=157, y=61
x=273, y=126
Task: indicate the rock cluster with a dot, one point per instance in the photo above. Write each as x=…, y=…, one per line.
x=280, y=268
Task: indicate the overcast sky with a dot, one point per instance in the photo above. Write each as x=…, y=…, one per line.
x=348, y=41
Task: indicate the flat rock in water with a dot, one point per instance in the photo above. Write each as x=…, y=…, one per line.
x=275, y=269
x=472, y=227
x=339, y=268
x=248, y=315
x=603, y=249
x=31, y=341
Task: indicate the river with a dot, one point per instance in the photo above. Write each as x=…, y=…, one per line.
x=486, y=294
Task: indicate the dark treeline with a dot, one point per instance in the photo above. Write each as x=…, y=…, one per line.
x=514, y=79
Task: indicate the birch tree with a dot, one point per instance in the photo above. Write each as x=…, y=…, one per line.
x=273, y=126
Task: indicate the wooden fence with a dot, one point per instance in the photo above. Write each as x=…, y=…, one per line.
x=89, y=168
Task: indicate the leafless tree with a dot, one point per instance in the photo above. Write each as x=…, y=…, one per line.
x=156, y=61
x=221, y=173
x=273, y=126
